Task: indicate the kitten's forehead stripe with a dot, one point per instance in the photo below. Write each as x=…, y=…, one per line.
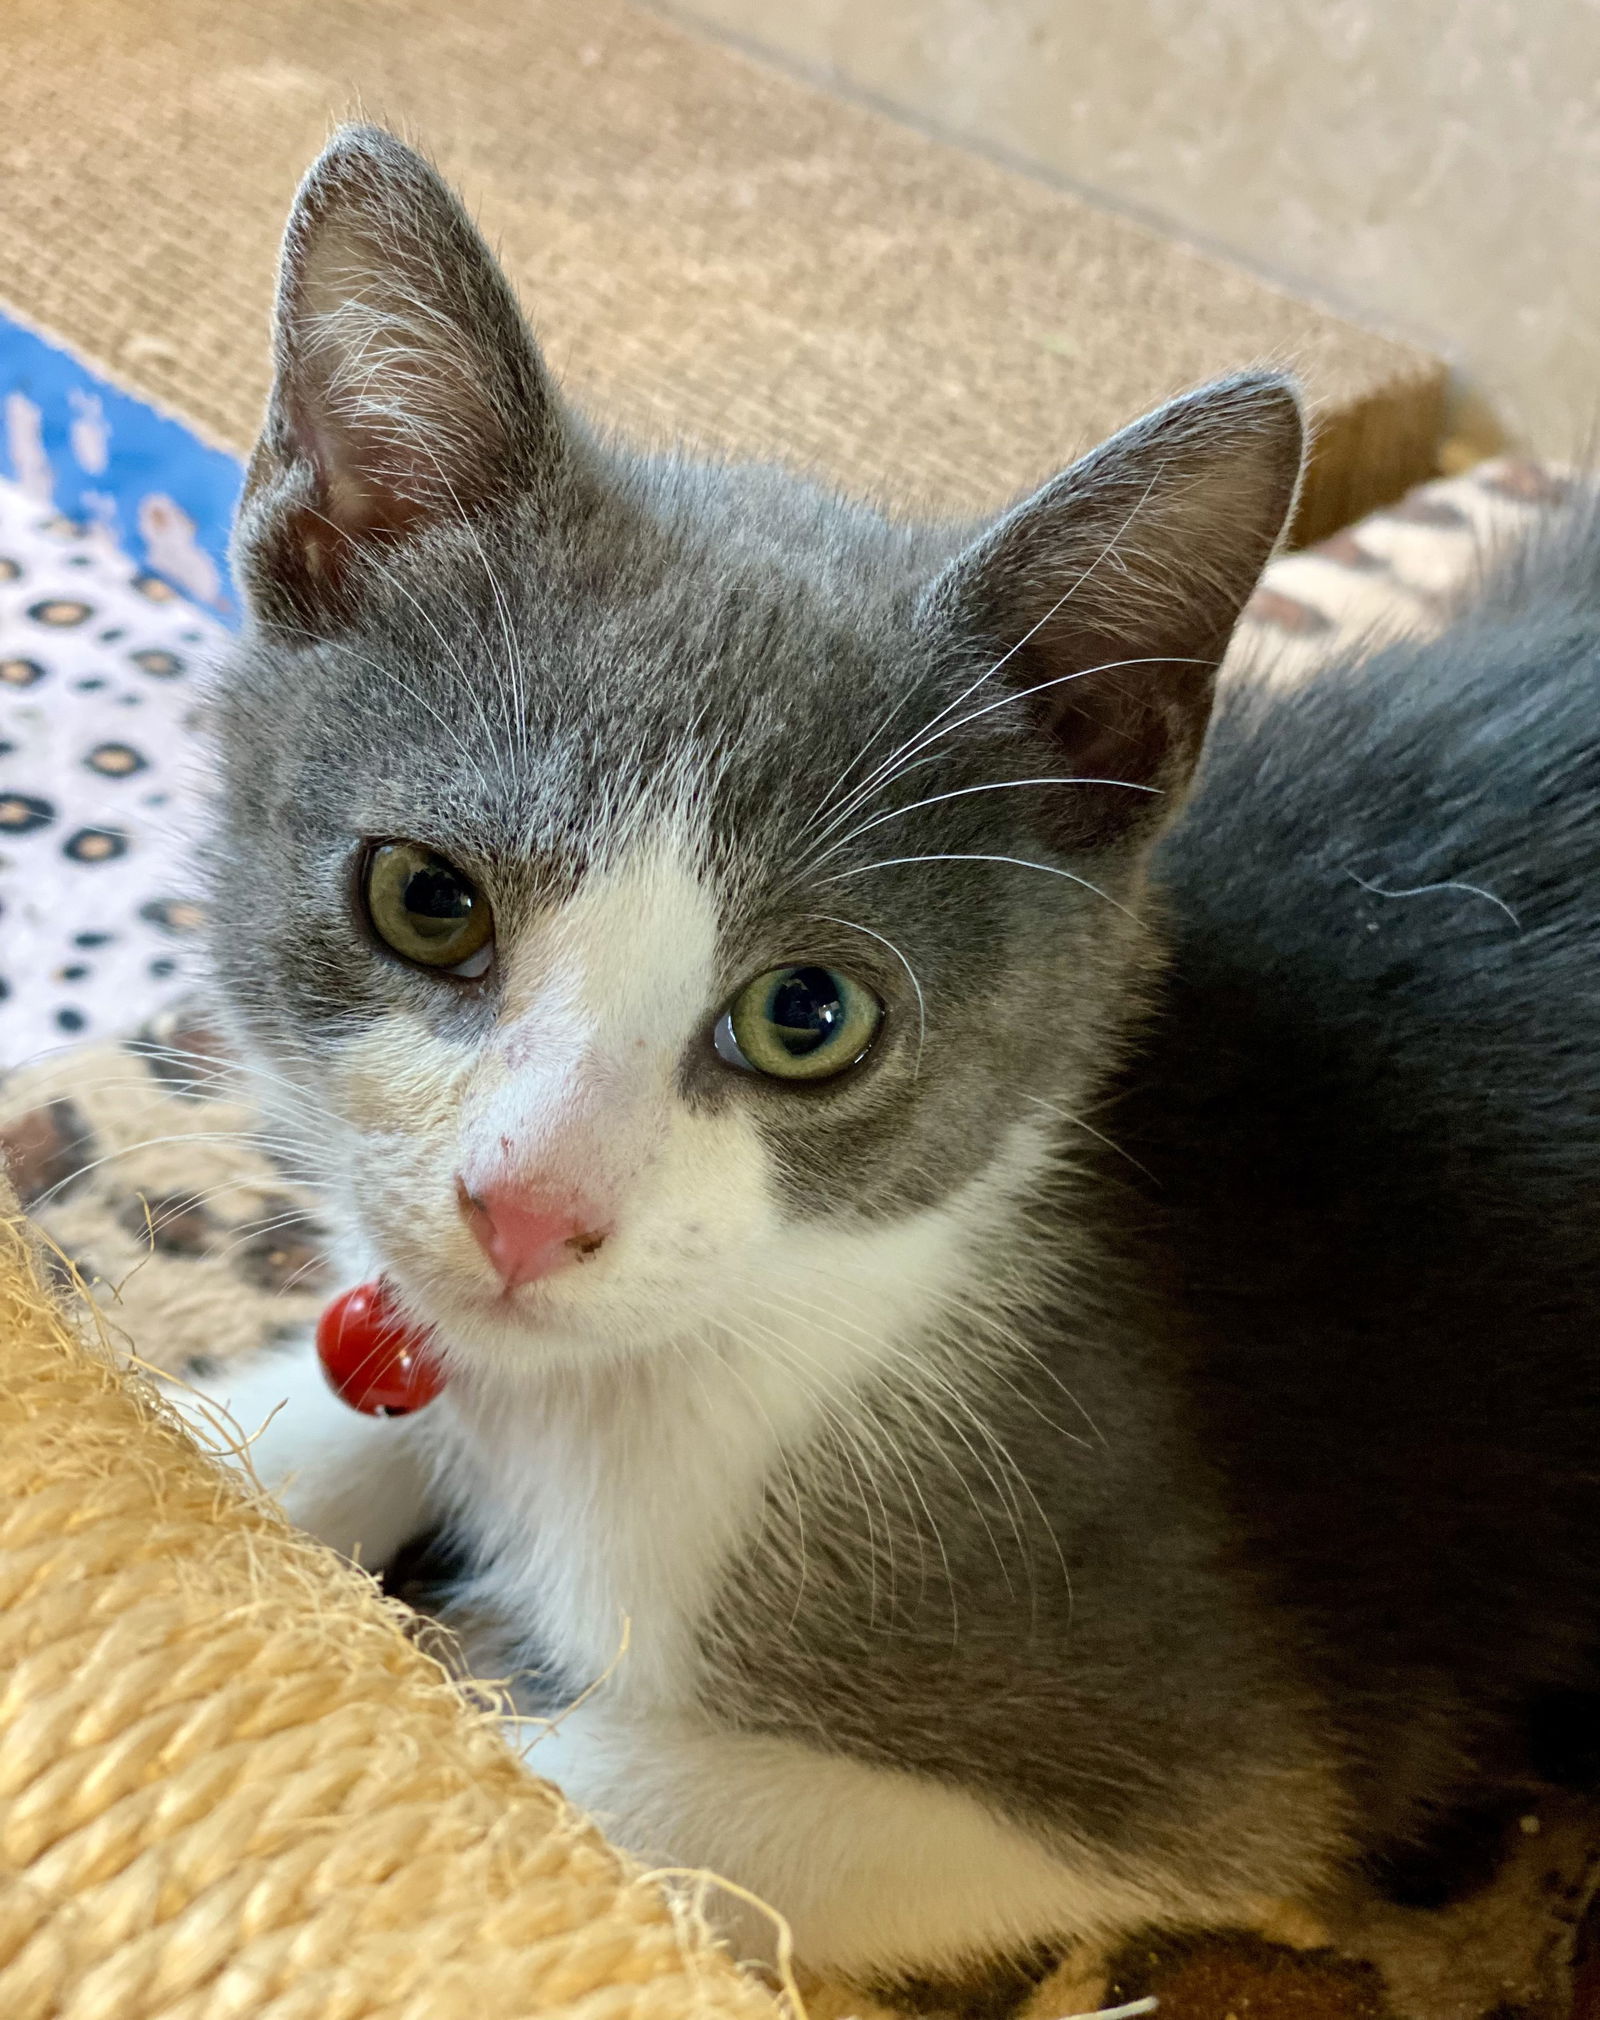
x=602, y=997
x=636, y=944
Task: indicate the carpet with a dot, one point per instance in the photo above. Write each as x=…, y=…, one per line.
x=708, y=249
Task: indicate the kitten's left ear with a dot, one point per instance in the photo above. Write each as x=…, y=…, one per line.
x=408, y=388
x=1106, y=600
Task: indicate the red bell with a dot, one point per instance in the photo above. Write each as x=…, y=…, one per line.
x=373, y=1360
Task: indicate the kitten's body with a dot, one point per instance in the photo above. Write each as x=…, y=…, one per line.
x=1371, y=1101
x=1015, y=1542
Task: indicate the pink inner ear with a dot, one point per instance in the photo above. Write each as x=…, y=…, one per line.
x=361, y=508
x=408, y=388
x=1112, y=729
x=1114, y=710
x=385, y=377
x=1127, y=736
x=365, y=486
x=350, y=505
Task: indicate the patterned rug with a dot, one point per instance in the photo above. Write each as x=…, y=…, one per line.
x=100, y=783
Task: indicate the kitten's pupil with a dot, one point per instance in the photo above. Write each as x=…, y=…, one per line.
x=806, y=1009
x=426, y=910
x=437, y=899
x=802, y=1022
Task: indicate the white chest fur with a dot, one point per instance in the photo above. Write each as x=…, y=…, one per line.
x=609, y=1493
x=608, y=1506
x=615, y=1503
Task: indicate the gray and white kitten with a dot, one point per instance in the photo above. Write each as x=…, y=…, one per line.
x=692, y=924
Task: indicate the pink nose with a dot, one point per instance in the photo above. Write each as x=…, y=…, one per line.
x=525, y=1233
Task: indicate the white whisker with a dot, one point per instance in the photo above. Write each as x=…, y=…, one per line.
x=922, y=1008
x=1099, y=1136
x=1017, y=862
x=915, y=742
x=1425, y=890
x=962, y=792
x=1024, y=694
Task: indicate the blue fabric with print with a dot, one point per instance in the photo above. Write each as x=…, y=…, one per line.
x=72, y=440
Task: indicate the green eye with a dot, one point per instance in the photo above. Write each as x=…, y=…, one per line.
x=799, y=1024
x=427, y=910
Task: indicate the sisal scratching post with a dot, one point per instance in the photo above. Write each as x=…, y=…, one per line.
x=230, y=1785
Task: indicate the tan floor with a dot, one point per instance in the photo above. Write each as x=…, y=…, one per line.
x=708, y=248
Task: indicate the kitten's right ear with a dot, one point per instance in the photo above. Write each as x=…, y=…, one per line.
x=408, y=388
x=1105, y=601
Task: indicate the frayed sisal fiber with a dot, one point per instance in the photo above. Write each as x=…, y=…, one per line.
x=230, y=1785
x=709, y=249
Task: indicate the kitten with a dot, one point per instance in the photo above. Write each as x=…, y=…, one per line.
x=702, y=934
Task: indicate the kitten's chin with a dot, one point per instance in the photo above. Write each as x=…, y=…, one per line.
x=525, y=1333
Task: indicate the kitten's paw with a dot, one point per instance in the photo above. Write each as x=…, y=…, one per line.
x=1290, y=1923
x=356, y=1483
x=1077, y=1985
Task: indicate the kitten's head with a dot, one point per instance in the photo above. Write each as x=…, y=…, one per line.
x=669, y=897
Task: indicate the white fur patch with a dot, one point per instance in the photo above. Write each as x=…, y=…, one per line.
x=619, y=1491
x=575, y=1094
x=600, y=1007
x=873, y=1869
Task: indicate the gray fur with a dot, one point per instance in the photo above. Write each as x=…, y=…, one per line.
x=479, y=624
